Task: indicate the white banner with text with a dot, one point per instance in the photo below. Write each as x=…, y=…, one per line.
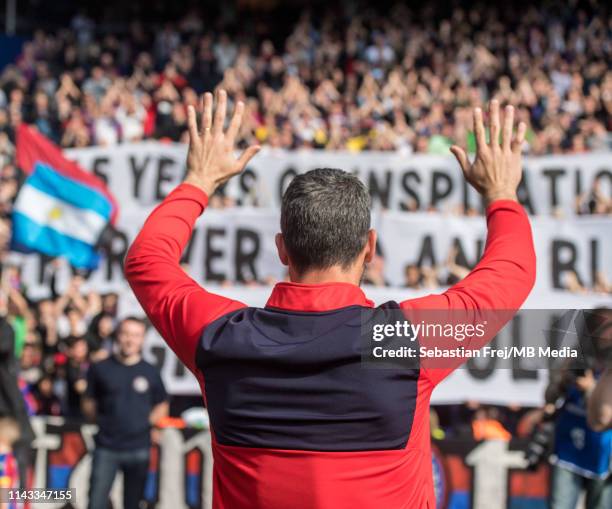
x=142, y=174
x=237, y=244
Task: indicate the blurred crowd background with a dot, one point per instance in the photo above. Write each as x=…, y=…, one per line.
x=342, y=76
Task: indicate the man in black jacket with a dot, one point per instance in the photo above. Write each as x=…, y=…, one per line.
x=11, y=399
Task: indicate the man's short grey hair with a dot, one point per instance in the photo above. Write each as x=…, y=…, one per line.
x=325, y=219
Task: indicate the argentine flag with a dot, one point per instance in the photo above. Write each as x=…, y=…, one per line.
x=58, y=215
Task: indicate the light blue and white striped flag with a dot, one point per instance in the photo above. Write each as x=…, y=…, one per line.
x=60, y=216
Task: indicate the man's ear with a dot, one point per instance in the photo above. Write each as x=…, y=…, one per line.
x=280, y=247
x=370, y=247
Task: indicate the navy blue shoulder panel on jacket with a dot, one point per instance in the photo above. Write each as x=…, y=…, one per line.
x=294, y=380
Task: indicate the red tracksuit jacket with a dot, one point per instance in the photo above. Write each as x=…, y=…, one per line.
x=296, y=421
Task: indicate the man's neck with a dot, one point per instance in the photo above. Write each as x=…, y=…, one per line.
x=335, y=274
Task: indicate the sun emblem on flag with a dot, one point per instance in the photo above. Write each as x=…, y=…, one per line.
x=55, y=213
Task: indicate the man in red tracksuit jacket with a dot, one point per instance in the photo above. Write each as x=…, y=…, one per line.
x=297, y=421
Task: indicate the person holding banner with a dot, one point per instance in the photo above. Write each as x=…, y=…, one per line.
x=295, y=419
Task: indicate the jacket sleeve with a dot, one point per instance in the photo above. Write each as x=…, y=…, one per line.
x=7, y=341
x=178, y=307
x=501, y=281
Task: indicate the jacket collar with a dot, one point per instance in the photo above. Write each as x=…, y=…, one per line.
x=316, y=297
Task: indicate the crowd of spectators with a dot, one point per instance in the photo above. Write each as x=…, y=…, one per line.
x=56, y=338
x=349, y=78
x=346, y=78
